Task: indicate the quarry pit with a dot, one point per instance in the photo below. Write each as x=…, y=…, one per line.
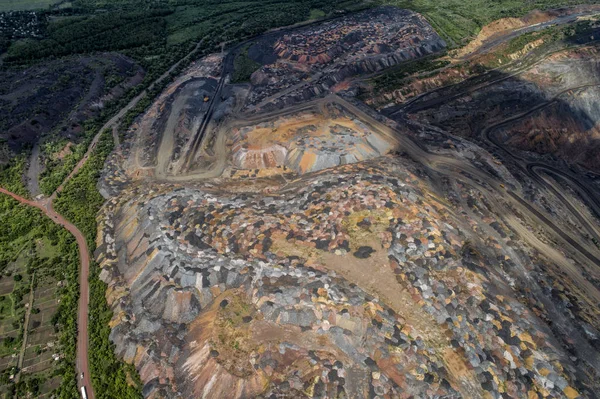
x=279, y=238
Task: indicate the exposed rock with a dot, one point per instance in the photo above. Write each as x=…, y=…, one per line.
x=364, y=252
x=307, y=141
x=443, y=330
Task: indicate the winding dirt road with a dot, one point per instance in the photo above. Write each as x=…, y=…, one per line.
x=45, y=205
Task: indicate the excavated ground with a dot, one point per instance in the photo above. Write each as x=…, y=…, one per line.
x=328, y=54
x=365, y=270
x=358, y=256
x=308, y=141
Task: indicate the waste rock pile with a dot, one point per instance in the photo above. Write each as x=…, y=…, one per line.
x=357, y=282
x=307, y=62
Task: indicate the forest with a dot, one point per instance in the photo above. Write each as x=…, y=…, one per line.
x=156, y=34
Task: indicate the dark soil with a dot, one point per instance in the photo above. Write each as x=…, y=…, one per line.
x=56, y=96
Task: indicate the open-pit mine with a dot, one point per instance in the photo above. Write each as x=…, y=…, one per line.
x=280, y=238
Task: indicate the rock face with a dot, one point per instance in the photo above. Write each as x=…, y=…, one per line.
x=162, y=134
x=384, y=33
x=308, y=141
x=356, y=282
x=569, y=130
x=246, y=157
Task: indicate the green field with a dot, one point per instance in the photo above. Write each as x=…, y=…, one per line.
x=316, y=13
x=38, y=271
x=24, y=5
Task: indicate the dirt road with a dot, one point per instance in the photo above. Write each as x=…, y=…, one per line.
x=45, y=206
x=34, y=170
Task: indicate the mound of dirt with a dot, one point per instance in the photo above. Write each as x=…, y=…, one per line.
x=502, y=27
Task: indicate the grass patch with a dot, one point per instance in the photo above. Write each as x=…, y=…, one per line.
x=315, y=13
x=232, y=338
x=11, y=175
x=55, y=170
x=243, y=67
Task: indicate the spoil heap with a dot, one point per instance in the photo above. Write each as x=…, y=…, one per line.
x=356, y=282
x=329, y=53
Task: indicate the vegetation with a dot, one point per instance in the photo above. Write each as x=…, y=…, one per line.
x=19, y=24
x=11, y=175
x=109, y=375
x=549, y=39
x=243, y=66
x=56, y=170
x=506, y=55
x=30, y=242
x=457, y=21
x=153, y=32
x=316, y=14
x=20, y=5
x=395, y=77
x=156, y=34
x=109, y=31
x=79, y=202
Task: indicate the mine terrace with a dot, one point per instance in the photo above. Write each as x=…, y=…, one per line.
x=307, y=142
